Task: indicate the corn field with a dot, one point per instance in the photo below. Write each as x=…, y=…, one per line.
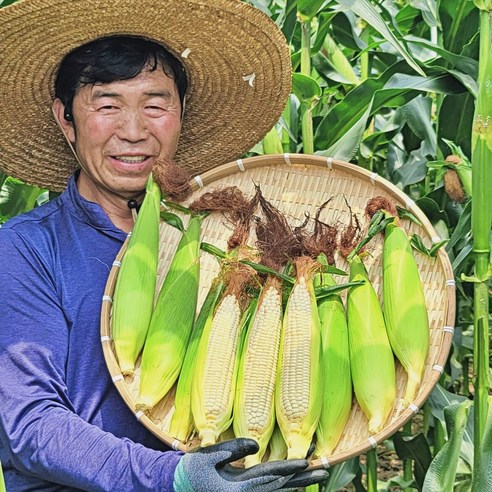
x=400, y=88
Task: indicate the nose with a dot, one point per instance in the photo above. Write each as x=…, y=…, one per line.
x=133, y=127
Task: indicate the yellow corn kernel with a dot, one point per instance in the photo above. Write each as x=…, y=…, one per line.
x=298, y=390
x=335, y=362
x=404, y=307
x=172, y=320
x=133, y=298
x=371, y=357
x=216, y=370
x=254, y=410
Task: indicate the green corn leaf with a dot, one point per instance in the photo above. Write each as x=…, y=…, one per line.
x=307, y=9
x=341, y=475
x=482, y=476
x=366, y=11
x=305, y=88
x=17, y=197
x=417, y=243
x=462, y=229
x=213, y=250
x=290, y=20
x=455, y=120
x=440, y=399
x=414, y=448
x=403, y=213
x=269, y=271
x=173, y=220
x=392, y=89
x=322, y=292
x=459, y=24
x=324, y=23
x=180, y=208
x=442, y=471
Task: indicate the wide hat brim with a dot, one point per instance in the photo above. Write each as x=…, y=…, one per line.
x=236, y=58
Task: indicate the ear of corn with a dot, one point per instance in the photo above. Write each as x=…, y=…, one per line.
x=277, y=447
x=181, y=425
x=298, y=389
x=216, y=365
x=371, y=357
x=404, y=308
x=335, y=360
x=135, y=286
x=254, y=411
x=172, y=320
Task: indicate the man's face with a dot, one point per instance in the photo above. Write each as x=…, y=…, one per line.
x=122, y=128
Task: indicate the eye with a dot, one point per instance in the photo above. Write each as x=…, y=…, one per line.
x=107, y=107
x=154, y=110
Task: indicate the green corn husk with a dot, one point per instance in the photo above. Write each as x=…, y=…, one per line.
x=371, y=357
x=181, y=425
x=405, y=311
x=277, y=447
x=335, y=359
x=2, y=481
x=133, y=298
x=172, y=320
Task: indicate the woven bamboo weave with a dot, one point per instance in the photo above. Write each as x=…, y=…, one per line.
x=299, y=184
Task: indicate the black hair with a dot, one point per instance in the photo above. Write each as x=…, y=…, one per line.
x=111, y=59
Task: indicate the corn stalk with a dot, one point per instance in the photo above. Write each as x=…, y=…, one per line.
x=307, y=116
x=481, y=222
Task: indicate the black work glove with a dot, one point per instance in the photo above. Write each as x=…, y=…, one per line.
x=209, y=470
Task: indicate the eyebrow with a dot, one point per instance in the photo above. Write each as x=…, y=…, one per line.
x=97, y=94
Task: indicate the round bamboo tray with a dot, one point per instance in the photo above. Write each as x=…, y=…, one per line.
x=298, y=184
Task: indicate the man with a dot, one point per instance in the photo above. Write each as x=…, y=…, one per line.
x=130, y=84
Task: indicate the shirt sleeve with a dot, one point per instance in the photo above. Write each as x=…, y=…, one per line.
x=39, y=428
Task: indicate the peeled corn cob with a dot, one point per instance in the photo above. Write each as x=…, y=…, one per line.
x=135, y=287
x=254, y=411
x=298, y=390
x=371, y=357
x=335, y=360
x=181, y=425
x=404, y=307
x=216, y=366
x=172, y=320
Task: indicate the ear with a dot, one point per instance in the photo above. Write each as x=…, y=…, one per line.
x=66, y=126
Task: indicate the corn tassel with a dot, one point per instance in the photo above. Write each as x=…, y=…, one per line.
x=335, y=360
x=404, y=307
x=172, y=320
x=216, y=366
x=254, y=411
x=181, y=425
x=298, y=391
x=135, y=286
x=371, y=358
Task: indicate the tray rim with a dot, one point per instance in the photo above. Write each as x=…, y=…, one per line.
x=242, y=165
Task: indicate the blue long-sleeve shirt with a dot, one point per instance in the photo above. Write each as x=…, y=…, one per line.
x=63, y=425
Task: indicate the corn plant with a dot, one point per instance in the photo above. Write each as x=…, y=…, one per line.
x=397, y=87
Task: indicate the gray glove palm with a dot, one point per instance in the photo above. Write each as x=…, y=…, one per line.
x=209, y=470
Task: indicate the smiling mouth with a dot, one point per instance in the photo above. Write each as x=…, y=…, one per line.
x=131, y=159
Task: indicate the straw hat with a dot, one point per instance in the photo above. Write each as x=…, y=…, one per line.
x=236, y=58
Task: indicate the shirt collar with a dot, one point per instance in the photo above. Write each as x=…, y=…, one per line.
x=89, y=212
